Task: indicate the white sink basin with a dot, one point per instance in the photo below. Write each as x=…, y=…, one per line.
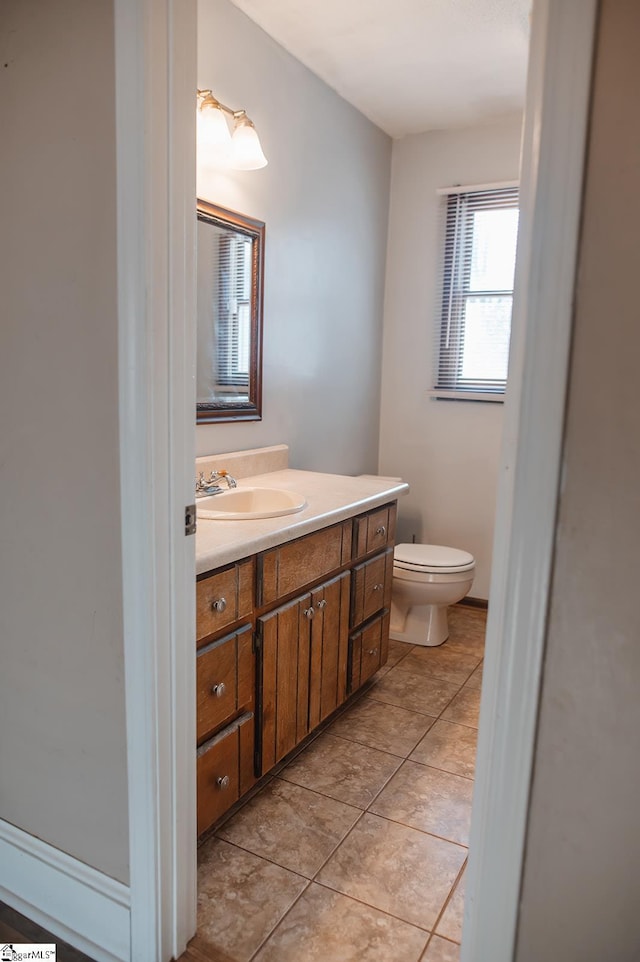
x=240, y=504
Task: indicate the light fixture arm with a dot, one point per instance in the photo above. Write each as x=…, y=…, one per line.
x=206, y=97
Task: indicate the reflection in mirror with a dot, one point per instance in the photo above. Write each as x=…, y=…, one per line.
x=230, y=278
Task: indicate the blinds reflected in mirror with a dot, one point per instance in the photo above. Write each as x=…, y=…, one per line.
x=232, y=261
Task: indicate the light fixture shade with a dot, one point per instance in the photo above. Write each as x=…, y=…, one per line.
x=246, y=151
x=213, y=130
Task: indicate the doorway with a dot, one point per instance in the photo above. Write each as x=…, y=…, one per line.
x=553, y=153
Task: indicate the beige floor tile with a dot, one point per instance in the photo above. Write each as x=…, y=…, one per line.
x=342, y=769
x=379, y=725
x=397, y=651
x=241, y=898
x=441, y=950
x=396, y=869
x=476, y=679
x=430, y=800
x=406, y=690
x=449, y=747
x=450, y=925
x=447, y=664
x=465, y=708
x=324, y=926
x=467, y=627
x=292, y=826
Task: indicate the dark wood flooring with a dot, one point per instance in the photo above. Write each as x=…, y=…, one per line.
x=17, y=928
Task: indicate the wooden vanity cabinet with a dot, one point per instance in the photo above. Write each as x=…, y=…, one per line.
x=283, y=638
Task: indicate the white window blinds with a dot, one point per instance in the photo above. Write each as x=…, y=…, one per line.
x=233, y=310
x=473, y=323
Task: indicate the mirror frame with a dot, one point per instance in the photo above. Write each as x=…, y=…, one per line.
x=250, y=410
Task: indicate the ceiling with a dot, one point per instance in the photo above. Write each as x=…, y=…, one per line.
x=409, y=65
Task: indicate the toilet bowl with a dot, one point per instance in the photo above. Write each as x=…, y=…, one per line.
x=427, y=578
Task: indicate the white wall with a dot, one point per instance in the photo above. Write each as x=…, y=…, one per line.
x=447, y=451
x=580, y=891
x=62, y=711
x=324, y=199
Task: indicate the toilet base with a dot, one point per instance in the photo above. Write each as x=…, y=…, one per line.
x=425, y=625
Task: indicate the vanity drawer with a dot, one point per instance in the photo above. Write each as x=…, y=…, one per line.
x=371, y=587
x=369, y=650
x=224, y=597
x=375, y=530
x=225, y=770
x=292, y=566
x=225, y=676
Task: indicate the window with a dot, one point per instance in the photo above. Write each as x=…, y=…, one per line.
x=474, y=318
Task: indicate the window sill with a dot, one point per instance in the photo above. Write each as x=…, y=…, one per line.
x=437, y=394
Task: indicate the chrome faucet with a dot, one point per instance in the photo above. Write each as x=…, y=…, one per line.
x=211, y=485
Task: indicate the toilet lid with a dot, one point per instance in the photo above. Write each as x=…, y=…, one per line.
x=431, y=556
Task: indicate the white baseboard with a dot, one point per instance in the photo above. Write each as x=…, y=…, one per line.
x=75, y=902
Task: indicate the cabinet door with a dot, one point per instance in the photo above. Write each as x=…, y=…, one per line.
x=224, y=681
x=371, y=587
x=329, y=648
x=369, y=650
x=283, y=641
x=224, y=597
x=225, y=770
x=375, y=530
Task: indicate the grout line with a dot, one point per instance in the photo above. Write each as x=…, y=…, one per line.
x=414, y=828
x=385, y=751
x=447, y=901
x=280, y=921
x=436, y=768
x=398, y=918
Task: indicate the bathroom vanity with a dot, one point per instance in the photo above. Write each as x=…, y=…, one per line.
x=290, y=622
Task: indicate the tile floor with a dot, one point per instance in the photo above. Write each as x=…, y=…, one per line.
x=355, y=851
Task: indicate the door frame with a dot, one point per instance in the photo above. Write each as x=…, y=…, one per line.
x=155, y=85
x=553, y=160
x=155, y=42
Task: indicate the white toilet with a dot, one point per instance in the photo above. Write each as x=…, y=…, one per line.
x=426, y=579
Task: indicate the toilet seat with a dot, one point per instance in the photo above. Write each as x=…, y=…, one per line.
x=431, y=558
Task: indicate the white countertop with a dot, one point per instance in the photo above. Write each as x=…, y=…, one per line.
x=330, y=498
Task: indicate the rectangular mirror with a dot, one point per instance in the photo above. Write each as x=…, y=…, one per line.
x=230, y=269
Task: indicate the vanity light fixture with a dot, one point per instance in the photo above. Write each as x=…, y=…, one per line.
x=217, y=146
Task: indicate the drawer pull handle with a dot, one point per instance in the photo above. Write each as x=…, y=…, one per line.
x=381, y=531
x=372, y=651
x=378, y=587
x=222, y=781
x=219, y=605
x=309, y=612
x=219, y=689
x=322, y=603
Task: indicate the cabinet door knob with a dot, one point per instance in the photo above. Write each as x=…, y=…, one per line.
x=322, y=603
x=378, y=587
x=219, y=689
x=219, y=605
x=372, y=651
x=222, y=781
x=309, y=612
x=381, y=531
